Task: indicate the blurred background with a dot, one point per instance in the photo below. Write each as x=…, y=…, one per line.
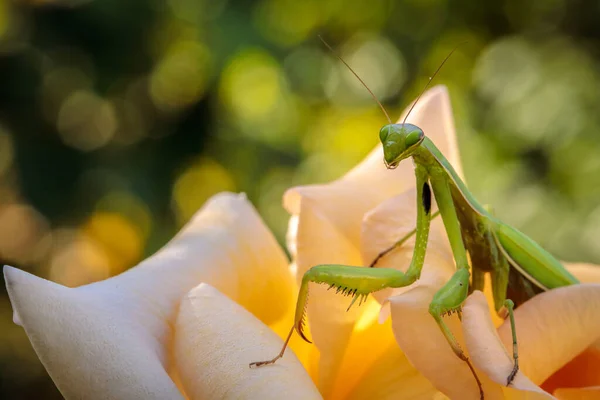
x=118, y=119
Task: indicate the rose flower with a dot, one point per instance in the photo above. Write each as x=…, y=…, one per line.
x=187, y=322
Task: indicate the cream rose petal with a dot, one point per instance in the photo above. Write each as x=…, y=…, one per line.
x=216, y=339
x=88, y=352
x=108, y=339
x=487, y=351
x=554, y=327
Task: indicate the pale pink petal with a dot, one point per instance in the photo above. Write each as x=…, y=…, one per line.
x=554, y=327
x=424, y=344
x=109, y=339
x=590, y=393
x=487, y=351
x=586, y=273
x=386, y=224
x=216, y=339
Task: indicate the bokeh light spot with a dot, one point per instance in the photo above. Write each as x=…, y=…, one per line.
x=288, y=22
x=506, y=71
x=129, y=206
x=379, y=64
x=24, y=236
x=86, y=121
x=77, y=259
x=58, y=83
x=255, y=91
x=180, y=78
x=251, y=84
x=121, y=241
x=307, y=69
x=196, y=184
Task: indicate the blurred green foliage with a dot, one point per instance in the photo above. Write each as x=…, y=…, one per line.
x=118, y=119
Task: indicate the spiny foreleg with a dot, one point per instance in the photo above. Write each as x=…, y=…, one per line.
x=357, y=282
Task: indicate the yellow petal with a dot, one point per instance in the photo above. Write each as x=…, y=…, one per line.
x=424, y=344
x=580, y=372
x=374, y=367
x=586, y=273
x=487, y=351
x=591, y=393
x=110, y=338
x=554, y=327
x=216, y=339
x=392, y=377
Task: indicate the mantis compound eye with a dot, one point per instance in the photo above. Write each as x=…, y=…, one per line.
x=383, y=133
x=414, y=137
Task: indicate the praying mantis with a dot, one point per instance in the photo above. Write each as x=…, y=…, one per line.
x=519, y=267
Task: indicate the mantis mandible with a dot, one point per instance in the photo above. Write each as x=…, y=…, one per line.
x=519, y=267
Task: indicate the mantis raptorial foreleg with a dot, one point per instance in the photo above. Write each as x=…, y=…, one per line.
x=359, y=282
x=424, y=218
x=423, y=223
x=399, y=243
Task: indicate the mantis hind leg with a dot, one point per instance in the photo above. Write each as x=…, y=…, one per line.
x=509, y=305
x=500, y=278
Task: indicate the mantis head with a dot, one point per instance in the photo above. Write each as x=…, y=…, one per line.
x=399, y=142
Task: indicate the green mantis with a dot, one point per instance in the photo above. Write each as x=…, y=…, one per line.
x=518, y=266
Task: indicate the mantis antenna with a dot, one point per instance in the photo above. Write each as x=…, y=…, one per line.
x=357, y=77
x=429, y=81
x=373, y=94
